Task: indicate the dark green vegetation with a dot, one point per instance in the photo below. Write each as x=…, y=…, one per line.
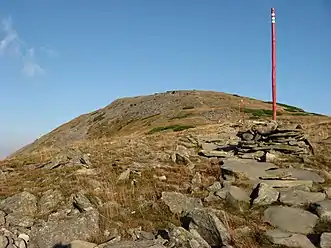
x=260, y=112
x=295, y=111
x=175, y=128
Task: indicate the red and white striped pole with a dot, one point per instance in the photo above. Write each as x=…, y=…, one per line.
x=273, y=47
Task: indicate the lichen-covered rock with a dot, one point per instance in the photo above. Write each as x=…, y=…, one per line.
x=23, y=203
x=50, y=201
x=178, y=202
x=180, y=237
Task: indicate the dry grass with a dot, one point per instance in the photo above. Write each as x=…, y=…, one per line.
x=130, y=147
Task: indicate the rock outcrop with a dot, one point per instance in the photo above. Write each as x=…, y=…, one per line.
x=265, y=141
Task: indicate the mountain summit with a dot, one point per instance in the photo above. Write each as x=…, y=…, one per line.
x=142, y=114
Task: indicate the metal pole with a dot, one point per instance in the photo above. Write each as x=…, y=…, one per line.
x=273, y=32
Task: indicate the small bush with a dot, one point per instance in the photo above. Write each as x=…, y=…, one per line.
x=175, y=128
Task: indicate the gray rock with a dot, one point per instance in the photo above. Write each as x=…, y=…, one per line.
x=178, y=202
x=252, y=155
x=50, y=201
x=115, y=240
x=222, y=193
x=299, y=174
x=300, y=198
x=24, y=236
x=4, y=242
x=247, y=136
x=266, y=195
x=291, y=240
x=17, y=219
x=325, y=240
x=218, y=154
x=250, y=169
x=271, y=157
x=196, y=180
x=21, y=243
x=139, y=234
x=288, y=183
x=180, y=237
x=2, y=218
x=125, y=175
x=238, y=198
x=208, y=146
x=78, y=227
x=215, y=187
x=290, y=219
x=81, y=244
x=136, y=244
x=81, y=202
x=211, y=197
x=323, y=210
x=328, y=193
x=24, y=203
x=210, y=228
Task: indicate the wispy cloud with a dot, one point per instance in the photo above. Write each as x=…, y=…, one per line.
x=49, y=51
x=30, y=67
x=11, y=44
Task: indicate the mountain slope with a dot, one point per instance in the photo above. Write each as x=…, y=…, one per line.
x=143, y=113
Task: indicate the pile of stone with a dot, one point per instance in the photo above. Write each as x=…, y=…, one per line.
x=262, y=141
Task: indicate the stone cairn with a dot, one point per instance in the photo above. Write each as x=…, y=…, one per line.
x=264, y=141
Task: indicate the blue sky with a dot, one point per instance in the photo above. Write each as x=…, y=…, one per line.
x=60, y=59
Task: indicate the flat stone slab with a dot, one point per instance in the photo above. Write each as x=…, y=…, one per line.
x=289, y=219
x=288, y=183
x=279, y=237
x=299, y=174
x=300, y=198
x=248, y=168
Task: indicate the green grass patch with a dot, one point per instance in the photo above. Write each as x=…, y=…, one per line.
x=175, y=128
x=288, y=108
x=300, y=114
x=260, y=112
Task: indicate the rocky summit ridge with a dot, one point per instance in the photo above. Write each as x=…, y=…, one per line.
x=189, y=172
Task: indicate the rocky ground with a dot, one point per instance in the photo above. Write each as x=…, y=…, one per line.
x=258, y=184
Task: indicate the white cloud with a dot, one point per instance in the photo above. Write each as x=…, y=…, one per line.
x=12, y=44
x=50, y=52
x=30, y=67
